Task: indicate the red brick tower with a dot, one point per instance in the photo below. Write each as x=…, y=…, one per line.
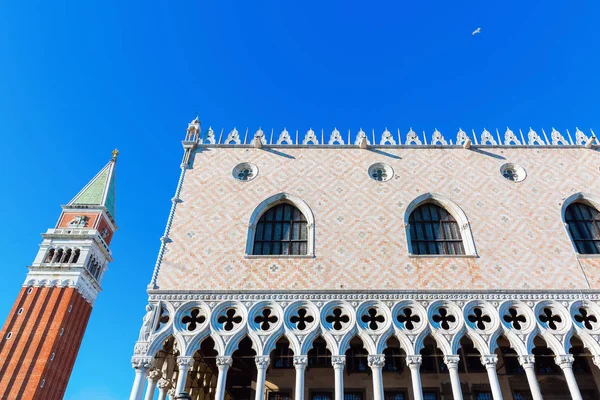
x=42, y=334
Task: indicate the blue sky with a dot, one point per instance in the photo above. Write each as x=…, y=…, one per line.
x=78, y=79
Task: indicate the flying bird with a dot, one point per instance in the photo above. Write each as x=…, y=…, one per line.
x=476, y=31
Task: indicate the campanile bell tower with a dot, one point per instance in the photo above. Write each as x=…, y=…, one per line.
x=42, y=334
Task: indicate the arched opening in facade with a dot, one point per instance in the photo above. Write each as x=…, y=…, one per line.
x=319, y=372
x=279, y=384
x=396, y=377
x=201, y=381
x=241, y=377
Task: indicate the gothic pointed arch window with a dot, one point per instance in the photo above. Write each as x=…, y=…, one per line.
x=433, y=230
x=281, y=230
x=583, y=223
x=282, y=225
x=436, y=226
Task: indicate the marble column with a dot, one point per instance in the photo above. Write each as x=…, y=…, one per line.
x=223, y=363
x=338, y=369
x=163, y=387
x=262, y=363
x=565, y=362
x=489, y=362
x=300, y=363
x=528, y=363
x=141, y=366
x=184, y=364
x=452, y=363
x=377, y=362
x=153, y=378
x=414, y=364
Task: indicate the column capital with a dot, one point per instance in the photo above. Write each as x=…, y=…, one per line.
x=452, y=360
x=564, y=360
x=300, y=361
x=338, y=361
x=164, y=384
x=185, y=362
x=142, y=363
x=262, y=361
x=489, y=360
x=376, y=360
x=414, y=360
x=224, y=362
x=526, y=360
x=155, y=375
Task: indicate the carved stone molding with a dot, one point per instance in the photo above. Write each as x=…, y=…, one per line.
x=489, y=360
x=224, y=362
x=414, y=360
x=300, y=361
x=376, y=360
x=526, y=360
x=185, y=362
x=142, y=362
x=262, y=361
x=452, y=361
x=564, y=360
x=155, y=375
x=338, y=361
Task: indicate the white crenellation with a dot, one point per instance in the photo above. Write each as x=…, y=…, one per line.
x=386, y=138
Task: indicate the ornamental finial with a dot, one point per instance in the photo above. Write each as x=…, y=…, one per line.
x=115, y=154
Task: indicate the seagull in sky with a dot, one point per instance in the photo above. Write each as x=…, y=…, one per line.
x=476, y=31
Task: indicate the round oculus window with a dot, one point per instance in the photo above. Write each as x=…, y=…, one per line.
x=381, y=172
x=513, y=173
x=245, y=172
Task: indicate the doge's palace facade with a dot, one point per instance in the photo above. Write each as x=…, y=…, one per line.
x=385, y=266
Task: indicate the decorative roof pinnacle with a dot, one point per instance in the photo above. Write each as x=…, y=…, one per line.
x=115, y=154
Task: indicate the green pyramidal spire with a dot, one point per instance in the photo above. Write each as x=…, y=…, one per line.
x=101, y=190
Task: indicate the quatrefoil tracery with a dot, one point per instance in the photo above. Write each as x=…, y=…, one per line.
x=163, y=318
x=515, y=318
x=229, y=320
x=301, y=319
x=550, y=318
x=265, y=319
x=408, y=319
x=193, y=320
x=479, y=318
x=373, y=318
x=443, y=318
x=586, y=319
x=337, y=319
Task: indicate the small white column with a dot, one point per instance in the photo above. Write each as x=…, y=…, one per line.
x=153, y=378
x=141, y=366
x=565, y=362
x=262, y=363
x=223, y=363
x=300, y=366
x=163, y=387
x=338, y=369
x=377, y=362
x=528, y=363
x=184, y=364
x=414, y=364
x=489, y=362
x=452, y=363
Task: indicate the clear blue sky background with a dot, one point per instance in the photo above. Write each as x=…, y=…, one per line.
x=78, y=79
